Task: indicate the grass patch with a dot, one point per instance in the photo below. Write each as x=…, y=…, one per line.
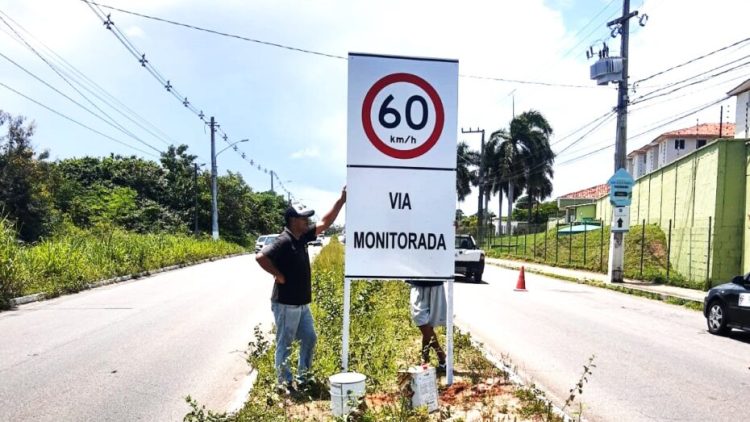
x=589, y=251
x=70, y=261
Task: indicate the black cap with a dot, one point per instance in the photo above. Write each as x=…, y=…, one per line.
x=298, y=210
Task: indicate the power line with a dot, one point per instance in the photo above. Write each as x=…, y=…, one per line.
x=519, y=81
x=75, y=72
x=131, y=47
x=170, y=88
x=76, y=121
x=651, y=95
x=603, y=121
x=557, y=141
x=55, y=69
x=659, y=126
x=677, y=97
x=584, y=27
x=224, y=34
x=691, y=61
x=74, y=101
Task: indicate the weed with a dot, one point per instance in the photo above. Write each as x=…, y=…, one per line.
x=578, y=387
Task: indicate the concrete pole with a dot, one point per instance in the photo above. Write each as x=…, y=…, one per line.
x=617, y=243
x=214, y=202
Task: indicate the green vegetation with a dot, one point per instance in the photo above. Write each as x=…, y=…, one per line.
x=74, y=258
x=39, y=197
x=65, y=224
x=587, y=251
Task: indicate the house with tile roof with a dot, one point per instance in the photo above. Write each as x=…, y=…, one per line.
x=581, y=205
x=670, y=146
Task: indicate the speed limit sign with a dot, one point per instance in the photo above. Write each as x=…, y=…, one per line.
x=389, y=120
x=401, y=160
x=402, y=111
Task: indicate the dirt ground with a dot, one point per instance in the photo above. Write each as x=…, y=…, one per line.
x=490, y=399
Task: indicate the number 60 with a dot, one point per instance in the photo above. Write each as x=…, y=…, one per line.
x=385, y=110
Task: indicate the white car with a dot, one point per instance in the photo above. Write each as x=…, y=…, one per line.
x=469, y=258
x=317, y=242
x=264, y=240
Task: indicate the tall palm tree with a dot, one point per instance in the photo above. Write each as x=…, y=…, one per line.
x=528, y=157
x=539, y=184
x=498, y=168
x=466, y=174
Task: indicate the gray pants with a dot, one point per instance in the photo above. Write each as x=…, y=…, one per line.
x=428, y=306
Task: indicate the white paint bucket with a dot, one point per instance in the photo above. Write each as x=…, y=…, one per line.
x=347, y=388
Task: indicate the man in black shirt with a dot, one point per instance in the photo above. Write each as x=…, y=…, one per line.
x=287, y=261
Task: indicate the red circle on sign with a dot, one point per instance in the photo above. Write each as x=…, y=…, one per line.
x=367, y=112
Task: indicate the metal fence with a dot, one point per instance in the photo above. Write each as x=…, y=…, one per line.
x=679, y=256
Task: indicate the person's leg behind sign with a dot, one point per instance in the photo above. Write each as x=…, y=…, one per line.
x=428, y=307
x=287, y=318
x=308, y=339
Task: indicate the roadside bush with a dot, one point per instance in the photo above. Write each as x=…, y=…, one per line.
x=73, y=258
x=10, y=282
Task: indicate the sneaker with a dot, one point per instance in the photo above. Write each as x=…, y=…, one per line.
x=441, y=368
x=285, y=389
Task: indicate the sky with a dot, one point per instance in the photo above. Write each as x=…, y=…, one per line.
x=292, y=106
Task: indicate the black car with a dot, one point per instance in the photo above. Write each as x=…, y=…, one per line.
x=727, y=306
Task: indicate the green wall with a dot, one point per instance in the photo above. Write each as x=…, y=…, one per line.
x=705, y=186
x=586, y=211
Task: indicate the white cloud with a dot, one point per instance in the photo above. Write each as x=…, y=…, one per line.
x=135, y=32
x=309, y=152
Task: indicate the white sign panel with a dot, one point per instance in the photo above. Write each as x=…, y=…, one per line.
x=620, y=219
x=401, y=159
x=402, y=112
x=744, y=300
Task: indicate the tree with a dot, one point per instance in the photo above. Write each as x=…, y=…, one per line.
x=24, y=196
x=499, y=169
x=466, y=175
x=180, y=193
x=526, y=157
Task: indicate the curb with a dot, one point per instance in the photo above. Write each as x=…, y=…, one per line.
x=622, y=288
x=37, y=297
x=513, y=376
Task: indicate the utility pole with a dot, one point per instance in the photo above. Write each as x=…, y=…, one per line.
x=617, y=242
x=214, y=202
x=480, y=202
x=195, y=192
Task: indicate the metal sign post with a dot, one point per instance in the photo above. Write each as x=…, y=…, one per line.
x=345, y=330
x=401, y=173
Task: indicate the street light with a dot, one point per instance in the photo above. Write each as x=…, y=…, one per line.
x=231, y=145
x=214, y=191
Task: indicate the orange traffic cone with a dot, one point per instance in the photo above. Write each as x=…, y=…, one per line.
x=521, y=284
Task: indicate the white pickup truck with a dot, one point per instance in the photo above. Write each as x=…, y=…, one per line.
x=469, y=258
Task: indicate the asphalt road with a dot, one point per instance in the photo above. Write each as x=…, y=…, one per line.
x=132, y=351
x=654, y=361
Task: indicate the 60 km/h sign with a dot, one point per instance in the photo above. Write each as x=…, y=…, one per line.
x=401, y=161
x=408, y=127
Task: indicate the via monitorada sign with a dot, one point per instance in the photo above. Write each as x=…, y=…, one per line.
x=401, y=167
